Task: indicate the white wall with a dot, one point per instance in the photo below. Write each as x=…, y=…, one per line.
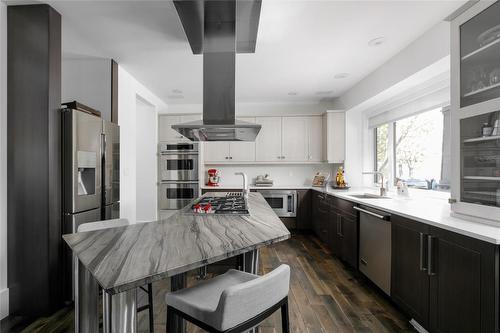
x=433, y=47
x=88, y=81
x=422, y=63
x=4, y=292
x=128, y=91
x=283, y=175
x=146, y=140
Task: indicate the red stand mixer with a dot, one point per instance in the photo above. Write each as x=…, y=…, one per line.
x=213, y=177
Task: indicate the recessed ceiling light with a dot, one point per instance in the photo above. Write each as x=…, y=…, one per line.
x=377, y=41
x=323, y=93
x=175, y=97
x=176, y=91
x=341, y=75
x=292, y=93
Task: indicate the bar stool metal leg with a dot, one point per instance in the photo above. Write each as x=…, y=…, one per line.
x=151, y=311
x=285, y=322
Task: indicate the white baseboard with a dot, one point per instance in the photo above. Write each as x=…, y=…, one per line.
x=4, y=303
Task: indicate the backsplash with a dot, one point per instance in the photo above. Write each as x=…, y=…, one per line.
x=283, y=175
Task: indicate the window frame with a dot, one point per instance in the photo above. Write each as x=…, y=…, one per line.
x=391, y=180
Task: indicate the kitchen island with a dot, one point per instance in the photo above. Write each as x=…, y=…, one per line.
x=121, y=259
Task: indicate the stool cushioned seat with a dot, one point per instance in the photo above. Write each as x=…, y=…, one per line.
x=232, y=298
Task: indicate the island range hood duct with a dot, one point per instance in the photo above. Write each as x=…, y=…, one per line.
x=218, y=29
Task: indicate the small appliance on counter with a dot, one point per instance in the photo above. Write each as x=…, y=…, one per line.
x=264, y=181
x=320, y=179
x=213, y=177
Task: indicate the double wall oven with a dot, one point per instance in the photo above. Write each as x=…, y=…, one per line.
x=178, y=173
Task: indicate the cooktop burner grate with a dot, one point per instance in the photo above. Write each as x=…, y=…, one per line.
x=230, y=204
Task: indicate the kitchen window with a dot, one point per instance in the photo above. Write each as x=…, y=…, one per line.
x=411, y=149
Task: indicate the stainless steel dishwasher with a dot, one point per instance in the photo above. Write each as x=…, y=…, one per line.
x=375, y=246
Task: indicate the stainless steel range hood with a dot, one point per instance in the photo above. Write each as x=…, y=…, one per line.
x=216, y=37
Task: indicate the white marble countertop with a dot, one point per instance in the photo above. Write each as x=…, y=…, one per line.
x=253, y=187
x=427, y=207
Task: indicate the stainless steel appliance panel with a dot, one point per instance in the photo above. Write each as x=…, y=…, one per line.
x=176, y=195
x=112, y=211
x=283, y=202
x=111, y=168
x=81, y=161
x=177, y=147
x=375, y=247
x=178, y=166
x=70, y=225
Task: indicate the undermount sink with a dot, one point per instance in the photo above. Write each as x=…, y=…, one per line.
x=367, y=196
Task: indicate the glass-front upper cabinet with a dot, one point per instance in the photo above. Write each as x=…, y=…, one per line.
x=480, y=152
x=480, y=57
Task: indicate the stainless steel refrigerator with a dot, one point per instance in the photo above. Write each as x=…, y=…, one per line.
x=91, y=175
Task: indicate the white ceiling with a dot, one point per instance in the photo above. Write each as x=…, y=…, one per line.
x=301, y=45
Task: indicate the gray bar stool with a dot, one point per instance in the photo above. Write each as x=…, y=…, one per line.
x=115, y=223
x=233, y=302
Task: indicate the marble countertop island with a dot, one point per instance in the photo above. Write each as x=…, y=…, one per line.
x=127, y=257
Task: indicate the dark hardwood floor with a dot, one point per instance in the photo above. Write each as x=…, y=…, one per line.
x=325, y=296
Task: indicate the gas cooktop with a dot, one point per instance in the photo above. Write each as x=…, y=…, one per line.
x=229, y=204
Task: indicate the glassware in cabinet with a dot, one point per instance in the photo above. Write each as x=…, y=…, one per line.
x=480, y=159
x=480, y=57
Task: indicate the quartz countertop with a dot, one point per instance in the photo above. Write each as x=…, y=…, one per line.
x=126, y=257
x=427, y=207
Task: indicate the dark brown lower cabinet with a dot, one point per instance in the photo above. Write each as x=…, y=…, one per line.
x=349, y=238
x=409, y=280
x=344, y=232
x=320, y=208
x=463, y=283
x=304, y=209
x=446, y=281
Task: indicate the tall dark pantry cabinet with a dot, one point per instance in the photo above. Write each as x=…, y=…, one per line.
x=34, y=165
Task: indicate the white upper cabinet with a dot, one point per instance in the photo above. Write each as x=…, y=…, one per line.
x=335, y=136
x=165, y=122
x=268, y=142
x=216, y=151
x=295, y=139
x=242, y=151
x=223, y=151
x=316, y=139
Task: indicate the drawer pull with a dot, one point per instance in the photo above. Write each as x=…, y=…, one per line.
x=422, y=244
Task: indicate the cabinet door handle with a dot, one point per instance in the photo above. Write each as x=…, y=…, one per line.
x=283, y=157
x=422, y=244
x=363, y=261
x=321, y=197
x=430, y=267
